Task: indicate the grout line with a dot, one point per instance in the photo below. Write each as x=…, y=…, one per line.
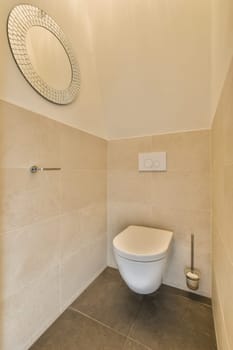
x=29, y=225
x=130, y=337
x=137, y=342
x=131, y=327
x=97, y=321
x=112, y=329
x=136, y=316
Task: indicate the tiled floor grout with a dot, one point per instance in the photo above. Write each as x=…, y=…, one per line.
x=131, y=327
x=127, y=337
x=137, y=342
x=128, y=321
x=97, y=321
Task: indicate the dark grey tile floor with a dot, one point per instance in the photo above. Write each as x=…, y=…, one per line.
x=108, y=316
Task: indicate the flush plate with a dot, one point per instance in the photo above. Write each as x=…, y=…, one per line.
x=154, y=161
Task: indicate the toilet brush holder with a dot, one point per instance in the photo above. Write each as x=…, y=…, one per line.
x=192, y=275
x=192, y=278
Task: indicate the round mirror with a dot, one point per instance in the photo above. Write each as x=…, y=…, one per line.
x=43, y=54
x=54, y=66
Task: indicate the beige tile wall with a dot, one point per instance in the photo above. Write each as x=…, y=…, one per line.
x=52, y=225
x=178, y=199
x=222, y=149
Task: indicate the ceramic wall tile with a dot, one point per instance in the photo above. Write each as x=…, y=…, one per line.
x=50, y=222
x=123, y=154
x=29, y=310
x=178, y=199
x=222, y=160
x=28, y=253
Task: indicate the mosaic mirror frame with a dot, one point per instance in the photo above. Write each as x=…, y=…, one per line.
x=20, y=20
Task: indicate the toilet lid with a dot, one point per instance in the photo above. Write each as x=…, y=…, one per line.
x=141, y=243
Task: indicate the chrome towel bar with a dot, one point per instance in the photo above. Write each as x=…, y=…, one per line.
x=34, y=169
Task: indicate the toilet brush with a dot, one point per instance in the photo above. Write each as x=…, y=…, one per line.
x=192, y=274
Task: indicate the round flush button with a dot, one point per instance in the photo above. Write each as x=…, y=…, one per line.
x=148, y=163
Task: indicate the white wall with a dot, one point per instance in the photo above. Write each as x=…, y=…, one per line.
x=222, y=47
x=145, y=66
x=85, y=113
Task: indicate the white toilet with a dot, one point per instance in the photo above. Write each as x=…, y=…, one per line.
x=140, y=254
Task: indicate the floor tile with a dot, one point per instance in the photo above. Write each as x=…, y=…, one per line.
x=132, y=345
x=168, y=321
x=171, y=290
x=73, y=331
x=110, y=301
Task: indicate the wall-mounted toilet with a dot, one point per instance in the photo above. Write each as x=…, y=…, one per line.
x=140, y=254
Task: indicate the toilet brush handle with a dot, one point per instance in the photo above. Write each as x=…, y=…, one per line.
x=192, y=252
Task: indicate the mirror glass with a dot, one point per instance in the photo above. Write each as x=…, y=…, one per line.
x=48, y=57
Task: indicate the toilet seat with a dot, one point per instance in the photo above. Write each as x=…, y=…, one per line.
x=142, y=244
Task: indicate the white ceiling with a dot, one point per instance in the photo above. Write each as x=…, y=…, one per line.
x=145, y=64
x=153, y=60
